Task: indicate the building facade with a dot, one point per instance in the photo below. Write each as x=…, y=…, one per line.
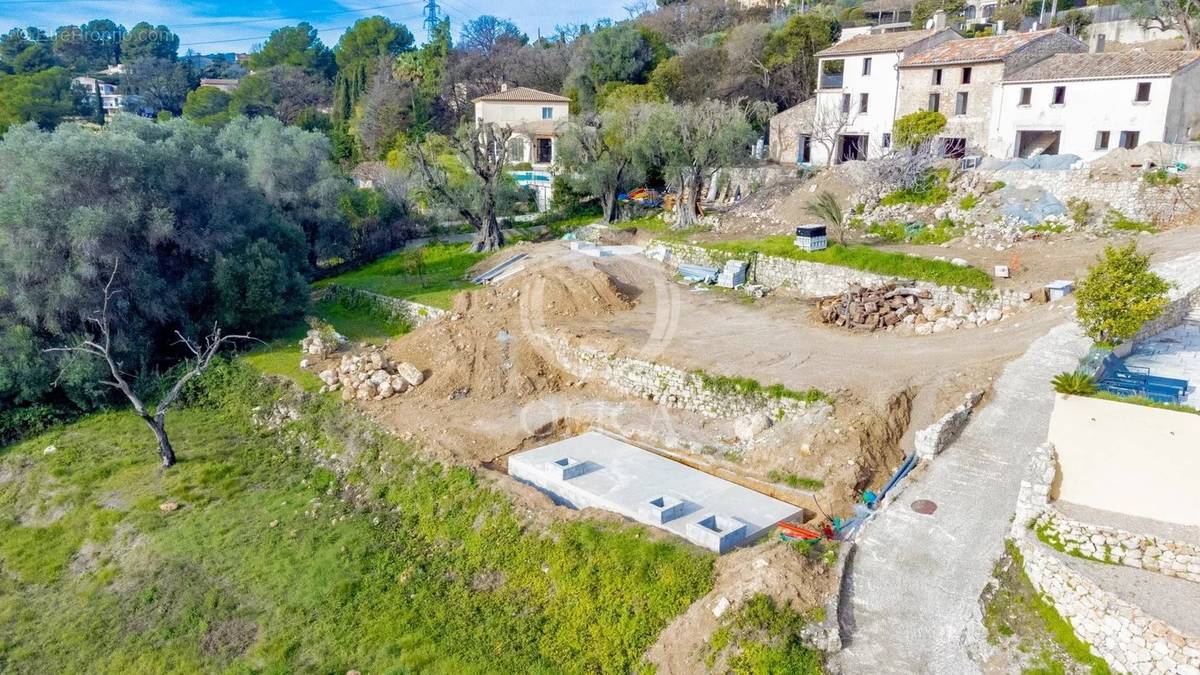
x=855, y=104
x=1089, y=104
x=962, y=80
x=110, y=96
x=535, y=118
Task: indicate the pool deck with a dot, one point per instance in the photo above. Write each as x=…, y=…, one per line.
x=1174, y=352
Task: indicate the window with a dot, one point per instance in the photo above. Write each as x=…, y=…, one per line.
x=1060, y=95
x=1026, y=96
x=845, y=104
x=867, y=66
x=887, y=140
x=966, y=76
x=804, y=152
x=935, y=101
x=862, y=104
x=1143, y=93
x=1102, y=140
x=1129, y=139
x=547, y=113
x=960, y=103
x=937, y=75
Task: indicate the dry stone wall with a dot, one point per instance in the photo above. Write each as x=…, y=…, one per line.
x=946, y=309
x=935, y=438
x=1117, y=546
x=414, y=313
x=1118, y=631
x=678, y=388
x=1133, y=197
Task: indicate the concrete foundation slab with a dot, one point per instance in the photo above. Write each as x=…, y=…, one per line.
x=595, y=470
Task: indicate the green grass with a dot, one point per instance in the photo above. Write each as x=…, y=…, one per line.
x=795, y=481
x=358, y=323
x=895, y=232
x=969, y=202
x=558, y=224
x=443, y=271
x=863, y=258
x=1147, y=402
x=745, y=386
x=930, y=192
x=1019, y=618
x=662, y=229
x=763, y=638
x=264, y=569
x=1161, y=178
x=1117, y=221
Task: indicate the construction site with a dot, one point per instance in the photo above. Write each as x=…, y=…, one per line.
x=717, y=388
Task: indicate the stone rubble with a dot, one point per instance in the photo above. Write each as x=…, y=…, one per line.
x=315, y=344
x=370, y=376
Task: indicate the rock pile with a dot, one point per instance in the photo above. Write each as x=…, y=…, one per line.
x=370, y=377
x=322, y=343
x=874, y=308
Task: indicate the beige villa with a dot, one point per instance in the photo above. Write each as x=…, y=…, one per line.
x=535, y=117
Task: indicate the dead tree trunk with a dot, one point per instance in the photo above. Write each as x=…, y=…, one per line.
x=158, y=425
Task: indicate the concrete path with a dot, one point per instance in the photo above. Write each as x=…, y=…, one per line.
x=913, y=594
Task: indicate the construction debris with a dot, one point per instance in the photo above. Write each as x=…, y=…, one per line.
x=874, y=308
x=370, y=377
x=733, y=275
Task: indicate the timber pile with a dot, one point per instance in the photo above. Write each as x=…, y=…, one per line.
x=874, y=308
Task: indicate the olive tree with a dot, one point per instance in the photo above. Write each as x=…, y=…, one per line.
x=597, y=148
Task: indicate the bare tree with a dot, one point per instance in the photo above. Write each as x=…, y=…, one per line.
x=202, y=356
x=828, y=124
x=482, y=150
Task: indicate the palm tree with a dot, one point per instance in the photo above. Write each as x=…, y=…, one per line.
x=827, y=208
x=1074, y=384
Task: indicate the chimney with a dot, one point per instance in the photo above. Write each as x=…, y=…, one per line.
x=1000, y=27
x=1097, y=45
x=939, y=20
x=504, y=86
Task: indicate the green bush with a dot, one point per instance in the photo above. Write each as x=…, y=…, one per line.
x=1117, y=221
x=930, y=191
x=918, y=128
x=1080, y=210
x=969, y=202
x=1160, y=178
x=1119, y=295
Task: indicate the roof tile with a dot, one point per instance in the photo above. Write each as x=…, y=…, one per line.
x=877, y=43
x=1105, y=65
x=975, y=50
x=524, y=95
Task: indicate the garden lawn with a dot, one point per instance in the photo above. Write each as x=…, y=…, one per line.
x=262, y=568
x=863, y=258
x=431, y=275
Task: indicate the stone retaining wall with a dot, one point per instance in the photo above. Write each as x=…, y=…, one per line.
x=414, y=313
x=1132, y=197
x=677, y=388
x=1119, y=632
x=951, y=308
x=935, y=438
x=1113, y=545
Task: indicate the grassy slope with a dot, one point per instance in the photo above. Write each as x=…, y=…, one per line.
x=438, y=577
x=444, y=270
x=864, y=258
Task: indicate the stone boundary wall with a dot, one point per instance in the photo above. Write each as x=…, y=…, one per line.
x=817, y=280
x=415, y=313
x=676, y=388
x=1118, y=631
x=1172, y=316
x=1117, y=546
x=933, y=439
x=1132, y=197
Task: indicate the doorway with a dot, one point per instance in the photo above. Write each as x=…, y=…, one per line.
x=1034, y=143
x=852, y=148
x=804, y=151
x=545, y=150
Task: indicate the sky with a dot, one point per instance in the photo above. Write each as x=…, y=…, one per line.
x=237, y=25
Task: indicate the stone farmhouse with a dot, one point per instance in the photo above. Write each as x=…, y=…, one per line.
x=1088, y=104
x=962, y=78
x=535, y=118
x=855, y=103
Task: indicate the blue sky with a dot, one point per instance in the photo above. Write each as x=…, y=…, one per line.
x=236, y=25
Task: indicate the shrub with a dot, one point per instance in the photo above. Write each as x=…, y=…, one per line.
x=969, y=202
x=918, y=128
x=1080, y=210
x=930, y=191
x=1119, y=295
x=1074, y=383
x=1160, y=178
x=1118, y=221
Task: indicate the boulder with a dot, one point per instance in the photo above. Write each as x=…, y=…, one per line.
x=410, y=373
x=749, y=427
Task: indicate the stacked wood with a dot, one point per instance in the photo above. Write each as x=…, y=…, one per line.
x=873, y=309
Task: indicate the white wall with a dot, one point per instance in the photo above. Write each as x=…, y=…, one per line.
x=1091, y=106
x=1127, y=458
x=880, y=87
x=512, y=112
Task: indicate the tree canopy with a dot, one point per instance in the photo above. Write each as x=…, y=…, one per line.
x=295, y=46
x=1119, y=295
x=371, y=38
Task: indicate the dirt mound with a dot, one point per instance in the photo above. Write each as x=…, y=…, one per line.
x=490, y=347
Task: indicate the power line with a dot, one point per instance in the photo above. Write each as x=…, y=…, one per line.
x=234, y=22
x=255, y=37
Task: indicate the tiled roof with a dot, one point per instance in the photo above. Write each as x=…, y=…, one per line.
x=877, y=43
x=524, y=95
x=1105, y=66
x=975, y=50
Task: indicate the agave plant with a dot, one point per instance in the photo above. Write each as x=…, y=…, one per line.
x=1074, y=384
